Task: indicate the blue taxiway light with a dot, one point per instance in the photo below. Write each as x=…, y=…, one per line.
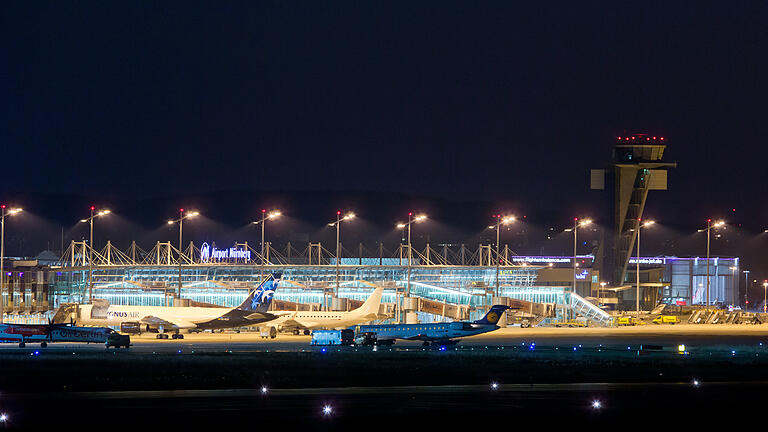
x=596, y=404
x=327, y=410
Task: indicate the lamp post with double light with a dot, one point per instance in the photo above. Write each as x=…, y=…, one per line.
x=263, y=221
x=411, y=221
x=337, y=224
x=180, y=221
x=709, y=228
x=5, y=212
x=497, y=226
x=576, y=224
x=89, y=220
x=640, y=226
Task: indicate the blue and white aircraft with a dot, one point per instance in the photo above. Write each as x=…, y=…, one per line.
x=437, y=333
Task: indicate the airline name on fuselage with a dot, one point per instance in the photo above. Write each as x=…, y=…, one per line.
x=122, y=314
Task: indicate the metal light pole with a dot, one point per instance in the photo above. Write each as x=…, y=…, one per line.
x=337, y=224
x=576, y=225
x=89, y=220
x=746, y=288
x=709, y=227
x=411, y=220
x=765, y=295
x=639, y=226
x=263, y=221
x=2, y=255
x=497, y=226
x=180, y=221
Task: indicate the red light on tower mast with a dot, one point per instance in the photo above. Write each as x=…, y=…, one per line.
x=93, y=208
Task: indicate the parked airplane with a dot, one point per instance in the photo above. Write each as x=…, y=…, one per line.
x=45, y=333
x=162, y=319
x=437, y=333
x=309, y=320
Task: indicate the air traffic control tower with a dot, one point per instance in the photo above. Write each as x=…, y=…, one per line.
x=638, y=167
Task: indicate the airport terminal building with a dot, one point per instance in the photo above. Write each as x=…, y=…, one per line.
x=429, y=283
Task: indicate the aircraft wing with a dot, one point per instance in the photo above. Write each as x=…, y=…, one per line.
x=176, y=324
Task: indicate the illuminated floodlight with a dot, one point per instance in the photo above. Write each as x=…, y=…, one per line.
x=400, y=225
x=585, y=222
x=3, y=418
x=648, y=223
x=491, y=226
x=681, y=348
x=264, y=390
x=494, y=386
x=327, y=410
x=193, y=214
x=170, y=222
x=14, y=211
x=349, y=216
x=596, y=404
x=719, y=223
x=420, y=218
x=274, y=214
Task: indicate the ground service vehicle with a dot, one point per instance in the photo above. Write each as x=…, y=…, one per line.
x=666, y=319
x=268, y=332
x=366, y=339
x=118, y=340
x=628, y=321
x=333, y=337
x=570, y=323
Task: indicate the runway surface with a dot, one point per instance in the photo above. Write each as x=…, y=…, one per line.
x=670, y=336
x=214, y=379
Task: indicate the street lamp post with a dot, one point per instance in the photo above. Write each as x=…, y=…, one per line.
x=765, y=294
x=576, y=225
x=2, y=254
x=263, y=221
x=337, y=224
x=497, y=226
x=640, y=225
x=734, y=285
x=411, y=220
x=709, y=227
x=89, y=220
x=746, y=289
x=180, y=221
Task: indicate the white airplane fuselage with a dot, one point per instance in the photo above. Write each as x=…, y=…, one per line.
x=183, y=317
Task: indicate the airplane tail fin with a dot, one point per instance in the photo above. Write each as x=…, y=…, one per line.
x=371, y=304
x=260, y=298
x=493, y=315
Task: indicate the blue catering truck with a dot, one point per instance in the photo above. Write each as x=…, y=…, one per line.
x=333, y=337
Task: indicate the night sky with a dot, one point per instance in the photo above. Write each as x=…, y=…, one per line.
x=460, y=108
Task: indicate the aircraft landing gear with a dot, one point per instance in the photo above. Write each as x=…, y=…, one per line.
x=177, y=336
x=43, y=344
x=307, y=332
x=295, y=332
x=22, y=344
x=162, y=336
